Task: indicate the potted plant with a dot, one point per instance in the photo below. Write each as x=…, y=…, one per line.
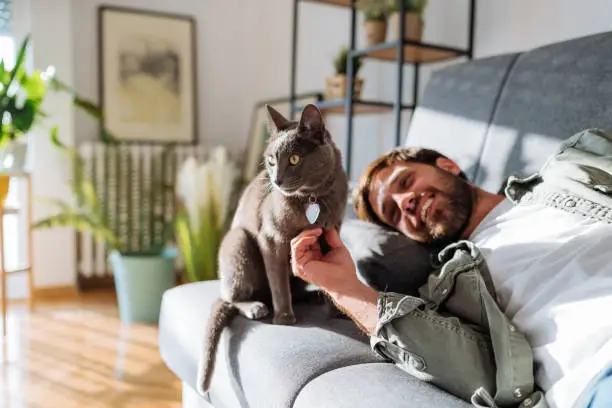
x=375, y=20
x=21, y=95
x=336, y=85
x=413, y=18
x=140, y=278
x=206, y=192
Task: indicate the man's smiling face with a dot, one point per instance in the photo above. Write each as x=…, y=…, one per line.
x=424, y=202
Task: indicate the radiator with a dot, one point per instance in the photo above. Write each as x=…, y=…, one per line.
x=136, y=186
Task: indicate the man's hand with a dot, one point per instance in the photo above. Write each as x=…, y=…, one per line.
x=334, y=272
x=331, y=272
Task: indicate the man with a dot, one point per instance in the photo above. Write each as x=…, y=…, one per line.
x=551, y=269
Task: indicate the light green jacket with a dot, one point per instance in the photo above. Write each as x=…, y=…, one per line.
x=455, y=335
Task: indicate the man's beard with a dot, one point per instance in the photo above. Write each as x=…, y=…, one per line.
x=450, y=219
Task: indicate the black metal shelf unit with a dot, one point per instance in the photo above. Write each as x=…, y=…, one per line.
x=400, y=52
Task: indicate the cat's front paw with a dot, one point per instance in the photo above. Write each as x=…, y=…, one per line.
x=287, y=319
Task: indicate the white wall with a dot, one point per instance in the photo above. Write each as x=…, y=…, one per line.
x=507, y=26
x=50, y=26
x=244, y=57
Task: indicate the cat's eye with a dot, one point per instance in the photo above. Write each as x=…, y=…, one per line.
x=271, y=161
x=294, y=159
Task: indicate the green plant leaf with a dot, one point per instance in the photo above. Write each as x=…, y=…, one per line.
x=54, y=136
x=18, y=64
x=80, y=222
x=88, y=106
x=373, y=10
x=78, y=163
x=200, y=246
x=63, y=205
x=4, y=75
x=185, y=245
x=24, y=118
x=89, y=196
x=108, y=137
x=411, y=6
x=58, y=85
x=341, y=62
x=34, y=86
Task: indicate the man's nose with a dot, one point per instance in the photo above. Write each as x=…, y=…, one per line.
x=406, y=201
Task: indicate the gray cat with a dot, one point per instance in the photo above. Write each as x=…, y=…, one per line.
x=302, y=186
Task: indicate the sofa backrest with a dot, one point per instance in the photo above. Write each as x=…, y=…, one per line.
x=504, y=115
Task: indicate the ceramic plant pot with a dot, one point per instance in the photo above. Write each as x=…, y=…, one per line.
x=336, y=87
x=375, y=31
x=13, y=156
x=140, y=283
x=413, y=26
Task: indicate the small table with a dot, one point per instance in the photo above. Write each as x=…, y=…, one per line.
x=27, y=269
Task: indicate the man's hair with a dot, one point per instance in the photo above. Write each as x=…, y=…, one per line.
x=404, y=155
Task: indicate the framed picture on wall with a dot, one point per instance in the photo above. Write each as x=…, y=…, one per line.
x=258, y=132
x=148, y=85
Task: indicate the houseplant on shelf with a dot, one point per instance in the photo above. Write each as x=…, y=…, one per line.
x=207, y=197
x=413, y=18
x=140, y=278
x=375, y=20
x=21, y=95
x=336, y=85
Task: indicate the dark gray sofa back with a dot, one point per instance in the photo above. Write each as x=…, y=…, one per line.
x=504, y=115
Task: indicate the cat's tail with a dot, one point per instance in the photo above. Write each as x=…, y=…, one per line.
x=221, y=314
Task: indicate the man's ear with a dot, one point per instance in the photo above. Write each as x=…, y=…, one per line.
x=448, y=165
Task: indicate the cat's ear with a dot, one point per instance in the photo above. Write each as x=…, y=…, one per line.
x=312, y=122
x=276, y=121
x=312, y=119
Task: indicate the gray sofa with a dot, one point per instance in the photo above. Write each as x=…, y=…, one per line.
x=495, y=116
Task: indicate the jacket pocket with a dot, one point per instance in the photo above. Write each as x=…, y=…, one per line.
x=439, y=349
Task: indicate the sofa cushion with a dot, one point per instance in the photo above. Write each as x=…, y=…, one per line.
x=386, y=260
x=552, y=93
x=457, y=105
x=258, y=364
x=372, y=386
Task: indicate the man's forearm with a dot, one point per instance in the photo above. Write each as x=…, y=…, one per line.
x=360, y=304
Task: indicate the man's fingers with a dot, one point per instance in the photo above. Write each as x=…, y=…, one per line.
x=315, y=232
x=333, y=239
x=304, y=250
x=304, y=244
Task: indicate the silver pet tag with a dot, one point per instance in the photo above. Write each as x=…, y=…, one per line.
x=312, y=211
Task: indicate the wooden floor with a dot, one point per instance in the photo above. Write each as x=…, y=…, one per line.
x=77, y=354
